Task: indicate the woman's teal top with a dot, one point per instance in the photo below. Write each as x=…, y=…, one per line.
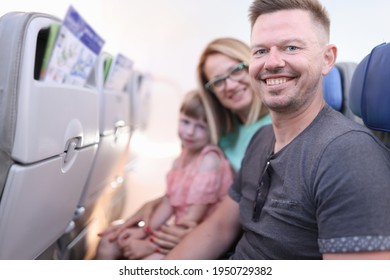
x=234, y=144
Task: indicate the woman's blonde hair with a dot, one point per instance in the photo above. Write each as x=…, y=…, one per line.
x=222, y=116
x=193, y=106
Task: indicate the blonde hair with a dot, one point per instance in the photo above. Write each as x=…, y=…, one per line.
x=224, y=118
x=193, y=106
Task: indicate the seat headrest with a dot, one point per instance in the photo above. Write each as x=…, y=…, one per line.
x=370, y=89
x=333, y=89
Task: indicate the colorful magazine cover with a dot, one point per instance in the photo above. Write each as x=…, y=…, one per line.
x=75, y=51
x=119, y=73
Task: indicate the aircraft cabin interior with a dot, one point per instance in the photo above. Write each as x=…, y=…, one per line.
x=80, y=155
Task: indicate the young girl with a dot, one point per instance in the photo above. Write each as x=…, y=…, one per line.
x=197, y=181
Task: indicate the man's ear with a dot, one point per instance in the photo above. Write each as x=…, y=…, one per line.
x=330, y=56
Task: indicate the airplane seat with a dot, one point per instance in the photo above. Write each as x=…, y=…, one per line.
x=104, y=195
x=333, y=90
x=139, y=89
x=370, y=91
x=47, y=142
x=336, y=85
x=346, y=70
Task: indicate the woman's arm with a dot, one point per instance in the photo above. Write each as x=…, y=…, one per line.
x=169, y=236
x=217, y=233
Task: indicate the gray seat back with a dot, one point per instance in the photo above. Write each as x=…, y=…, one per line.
x=48, y=141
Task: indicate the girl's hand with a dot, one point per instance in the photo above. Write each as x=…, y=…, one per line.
x=135, y=249
x=143, y=214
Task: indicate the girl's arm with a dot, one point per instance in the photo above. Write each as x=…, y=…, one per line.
x=161, y=214
x=170, y=236
x=195, y=213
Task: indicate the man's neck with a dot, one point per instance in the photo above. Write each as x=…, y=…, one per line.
x=288, y=126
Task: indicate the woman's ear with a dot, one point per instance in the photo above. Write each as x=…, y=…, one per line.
x=330, y=56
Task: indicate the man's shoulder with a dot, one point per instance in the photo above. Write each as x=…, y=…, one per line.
x=262, y=140
x=336, y=122
x=332, y=124
x=333, y=129
x=265, y=131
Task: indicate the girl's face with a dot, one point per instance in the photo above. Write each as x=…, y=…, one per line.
x=193, y=133
x=236, y=95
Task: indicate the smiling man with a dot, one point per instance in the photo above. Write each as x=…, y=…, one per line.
x=313, y=185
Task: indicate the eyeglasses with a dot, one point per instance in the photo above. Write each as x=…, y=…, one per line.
x=261, y=193
x=236, y=73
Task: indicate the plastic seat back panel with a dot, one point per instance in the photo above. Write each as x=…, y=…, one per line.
x=36, y=209
x=48, y=140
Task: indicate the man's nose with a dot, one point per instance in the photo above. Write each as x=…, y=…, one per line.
x=274, y=60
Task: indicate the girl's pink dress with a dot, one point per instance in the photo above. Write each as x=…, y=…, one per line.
x=188, y=186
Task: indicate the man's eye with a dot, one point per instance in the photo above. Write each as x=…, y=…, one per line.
x=292, y=48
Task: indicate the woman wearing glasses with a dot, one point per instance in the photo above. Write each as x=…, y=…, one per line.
x=232, y=106
x=223, y=76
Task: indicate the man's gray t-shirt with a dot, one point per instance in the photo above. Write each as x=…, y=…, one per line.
x=329, y=192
